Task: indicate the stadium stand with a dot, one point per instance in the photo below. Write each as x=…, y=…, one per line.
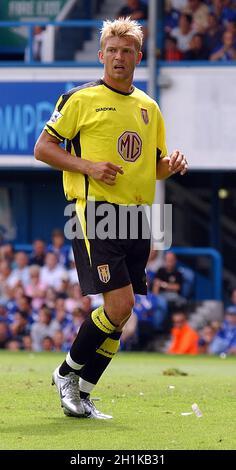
x=38, y=286
x=200, y=29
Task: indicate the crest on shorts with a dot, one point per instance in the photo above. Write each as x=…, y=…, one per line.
x=104, y=273
x=144, y=115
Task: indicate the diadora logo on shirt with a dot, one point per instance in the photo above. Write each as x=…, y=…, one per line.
x=105, y=109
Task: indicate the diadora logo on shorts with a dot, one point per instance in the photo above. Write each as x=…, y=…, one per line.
x=105, y=109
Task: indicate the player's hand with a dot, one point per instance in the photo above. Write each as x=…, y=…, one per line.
x=178, y=163
x=105, y=171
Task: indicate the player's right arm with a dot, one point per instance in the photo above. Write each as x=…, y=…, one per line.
x=48, y=150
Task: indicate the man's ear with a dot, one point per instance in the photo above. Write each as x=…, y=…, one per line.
x=101, y=57
x=139, y=58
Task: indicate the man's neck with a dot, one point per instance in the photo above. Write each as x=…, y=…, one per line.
x=124, y=87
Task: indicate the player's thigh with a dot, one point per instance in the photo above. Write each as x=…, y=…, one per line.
x=108, y=260
x=136, y=263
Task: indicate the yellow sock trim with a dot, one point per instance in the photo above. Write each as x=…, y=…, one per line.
x=109, y=347
x=101, y=321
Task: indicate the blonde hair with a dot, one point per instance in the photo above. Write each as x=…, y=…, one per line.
x=120, y=28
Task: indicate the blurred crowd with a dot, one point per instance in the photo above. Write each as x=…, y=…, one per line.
x=42, y=308
x=200, y=30
x=192, y=29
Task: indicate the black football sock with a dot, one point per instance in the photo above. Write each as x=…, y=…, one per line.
x=94, y=368
x=95, y=329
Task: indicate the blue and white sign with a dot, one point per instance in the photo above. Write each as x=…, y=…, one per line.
x=26, y=105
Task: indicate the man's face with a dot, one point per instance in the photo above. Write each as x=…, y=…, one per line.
x=120, y=56
x=179, y=320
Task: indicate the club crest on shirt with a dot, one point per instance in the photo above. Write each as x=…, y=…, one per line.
x=55, y=116
x=144, y=115
x=104, y=273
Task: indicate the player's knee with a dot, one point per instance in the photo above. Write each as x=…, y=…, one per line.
x=120, y=311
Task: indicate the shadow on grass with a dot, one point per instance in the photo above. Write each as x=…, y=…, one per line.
x=56, y=426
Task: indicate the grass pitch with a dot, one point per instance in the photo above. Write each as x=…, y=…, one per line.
x=147, y=413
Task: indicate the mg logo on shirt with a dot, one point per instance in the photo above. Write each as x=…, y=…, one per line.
x=129, y=146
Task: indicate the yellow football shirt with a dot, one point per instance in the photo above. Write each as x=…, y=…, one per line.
x=99, y=123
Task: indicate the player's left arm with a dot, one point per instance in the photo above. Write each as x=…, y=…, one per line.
x=167, y=166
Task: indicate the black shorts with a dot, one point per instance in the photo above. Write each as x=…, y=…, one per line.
x=117, y=260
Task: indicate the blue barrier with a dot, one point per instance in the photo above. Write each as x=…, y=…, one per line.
x=216, y=271
x=30, y=25
x=65, y=24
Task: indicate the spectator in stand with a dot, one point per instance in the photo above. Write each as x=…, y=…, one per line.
x=7, y=253
x=231, y=27
x=37, y=46
x=229, y=11
x=225, y=340
x=62, y=319
x=78, y=316
x=155, y=261
x=60, y=345
x=206, y=337
x=74, y=299
x=198, y=50
x=224, y=10
x=217, y=8
x=39, y=33
x=136, y=9
x=233, y=299
x=12, y=305
x=168, y=280
x=47, y=344
x=21, y=271
x=171, y=18
x=52, y=273
x=20, y=326
x=27, y=343
x=226, y=51
x=21, y=303
x=184, y=340
x=50, y=298
x=43, y=327
x=35, y=289
x=3, y=314
x=183, y=33
x=199, y=12
x=5, y=272
x=151, y=311
x=59, y=248
x=38, y=254
x=62, y=290
x=172, y=52
x=13, y=345
x=213, y=36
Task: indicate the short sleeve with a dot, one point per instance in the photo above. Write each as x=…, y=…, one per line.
x=64, y=121
x=161, y=146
